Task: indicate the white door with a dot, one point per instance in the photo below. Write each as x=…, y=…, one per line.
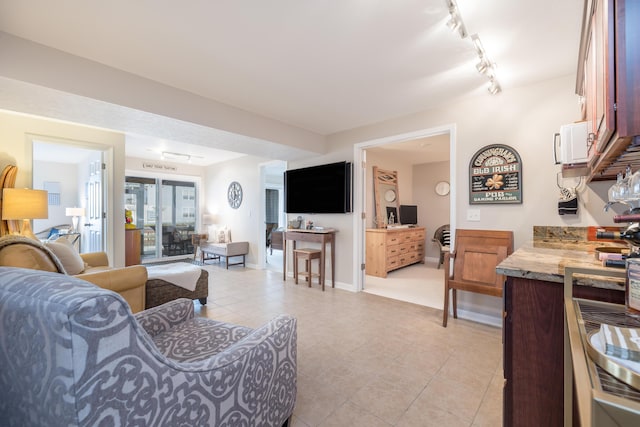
x=93, y=229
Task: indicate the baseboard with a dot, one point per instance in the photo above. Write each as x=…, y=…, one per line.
x=478, y=317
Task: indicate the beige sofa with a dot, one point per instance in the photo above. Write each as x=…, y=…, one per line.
x=19, y=251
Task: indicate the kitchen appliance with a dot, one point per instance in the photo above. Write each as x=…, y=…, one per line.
x=571, y=149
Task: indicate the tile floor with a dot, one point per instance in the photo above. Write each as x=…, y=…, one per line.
x=366, y=360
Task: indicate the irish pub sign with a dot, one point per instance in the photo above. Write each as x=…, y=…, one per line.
x=495, y=176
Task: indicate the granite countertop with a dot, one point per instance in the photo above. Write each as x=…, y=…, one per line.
x=545, y=259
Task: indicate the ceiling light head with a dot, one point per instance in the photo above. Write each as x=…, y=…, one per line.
x=483, y=66
x=453, y=23
x=494, y=87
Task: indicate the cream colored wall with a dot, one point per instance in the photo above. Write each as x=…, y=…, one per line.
x=433, y=209
x=16, y=132
x=524, y=118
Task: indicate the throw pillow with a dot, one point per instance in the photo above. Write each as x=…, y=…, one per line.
x=212, y=233
x=222, y=236
x=446, y=237
x=68, y=256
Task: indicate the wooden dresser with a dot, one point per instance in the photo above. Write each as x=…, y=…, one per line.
x=391, y=248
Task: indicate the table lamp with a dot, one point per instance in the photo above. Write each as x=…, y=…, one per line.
x=75, y=213
x=24, y=204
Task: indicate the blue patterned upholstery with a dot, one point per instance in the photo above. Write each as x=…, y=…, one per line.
x=72, y=354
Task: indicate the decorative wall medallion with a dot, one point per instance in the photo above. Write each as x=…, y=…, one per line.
x=234, y=195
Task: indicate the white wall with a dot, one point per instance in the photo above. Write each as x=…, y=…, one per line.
x=525, y=119
x=16, y=133
x=243, y=222
x=67, y=176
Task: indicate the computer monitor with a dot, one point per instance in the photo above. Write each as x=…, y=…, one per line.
x=408, y=214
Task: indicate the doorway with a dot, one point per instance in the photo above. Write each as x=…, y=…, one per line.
x=404, y=283
x=73, y=173
x=165, y=211
x=272, y=216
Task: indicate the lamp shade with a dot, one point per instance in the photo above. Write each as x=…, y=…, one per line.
x=74, y=211
x=208, y=219
x=24, y=203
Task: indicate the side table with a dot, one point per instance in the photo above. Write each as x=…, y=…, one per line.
x=196, y=239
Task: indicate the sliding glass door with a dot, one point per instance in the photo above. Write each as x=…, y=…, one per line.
x=165, y=211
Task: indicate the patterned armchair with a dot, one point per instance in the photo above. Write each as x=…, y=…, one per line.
x=73, y=354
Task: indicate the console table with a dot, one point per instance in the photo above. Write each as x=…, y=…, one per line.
x=319, y=236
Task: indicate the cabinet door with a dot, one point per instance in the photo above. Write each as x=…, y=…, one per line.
x=628, y=67
x=599, y=80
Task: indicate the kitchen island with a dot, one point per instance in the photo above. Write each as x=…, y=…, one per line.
x=533, y=348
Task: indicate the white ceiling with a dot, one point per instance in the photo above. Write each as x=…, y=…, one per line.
x=325, y=66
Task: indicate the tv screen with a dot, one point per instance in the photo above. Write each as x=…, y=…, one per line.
x=318, y=189
x=408, y=214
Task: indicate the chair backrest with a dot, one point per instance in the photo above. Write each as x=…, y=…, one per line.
x=478, y=252
x=442, y=235
x=56, y=339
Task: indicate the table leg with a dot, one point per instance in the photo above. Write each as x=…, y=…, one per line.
x=322, y=267
x=333, y=261
x=284, y=258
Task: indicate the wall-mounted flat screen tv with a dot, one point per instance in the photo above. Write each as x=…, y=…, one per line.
x=318, y=189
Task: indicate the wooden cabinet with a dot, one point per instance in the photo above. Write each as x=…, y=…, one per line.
x=534, y=349
x=393, y=248
x=132, y=246
x=609, y=79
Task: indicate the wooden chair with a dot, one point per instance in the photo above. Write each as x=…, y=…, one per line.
x=441, y=238
x=476, y=255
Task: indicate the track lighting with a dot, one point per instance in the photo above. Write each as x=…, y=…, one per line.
x=455, y=23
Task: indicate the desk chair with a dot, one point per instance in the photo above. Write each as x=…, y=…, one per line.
x=476, y=255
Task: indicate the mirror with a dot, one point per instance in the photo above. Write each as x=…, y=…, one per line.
x=385, y=193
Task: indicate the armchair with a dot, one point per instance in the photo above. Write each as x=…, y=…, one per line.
x=73, y=354
x=19, y=251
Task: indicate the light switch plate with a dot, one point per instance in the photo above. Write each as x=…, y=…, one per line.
x=473, y=214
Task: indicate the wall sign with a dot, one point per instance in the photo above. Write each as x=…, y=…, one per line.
x=495, y=176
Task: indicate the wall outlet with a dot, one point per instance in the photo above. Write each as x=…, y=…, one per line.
x=473, y=214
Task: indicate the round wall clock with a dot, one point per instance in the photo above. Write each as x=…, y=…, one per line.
x=442, y=188
x=234, y=195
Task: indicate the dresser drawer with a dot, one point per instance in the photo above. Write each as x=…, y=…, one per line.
x=394, y=239
x=405, y=247
x=393, y=250
x=393, y=262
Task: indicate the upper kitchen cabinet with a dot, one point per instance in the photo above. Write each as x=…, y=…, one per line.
x=609, y=80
